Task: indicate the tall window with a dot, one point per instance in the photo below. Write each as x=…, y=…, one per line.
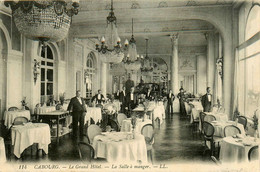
x=47, y=66
x=89, y=74
x=249, y=70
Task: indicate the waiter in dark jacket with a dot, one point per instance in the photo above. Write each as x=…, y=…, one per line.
x=122, y=99
x=206, y=101
x=98, y=98
x=170, y=98
x=77, y=106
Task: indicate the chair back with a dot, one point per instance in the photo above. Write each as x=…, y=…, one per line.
x=86, y=152
x=231, y=130
x=208, y=129
x=209, y=118
x=202, y=116
x=194, y=112
x=59, y=106
x=148, y=133
x=253, y=153
x=20, y=120
x=114, y=125
x=92, y=131
x=221, y=109
x=120, y=118
x=13, y=108
x=242, y=120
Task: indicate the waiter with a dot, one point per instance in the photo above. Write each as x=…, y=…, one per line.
x=206, y=101
x=77, y=106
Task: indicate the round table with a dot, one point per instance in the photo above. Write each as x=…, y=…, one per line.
x=219, y=127
x=9, y=116
x=26, y=135
x=235, y=150
x=127, y=126
x=2, y=151
x=118, y=147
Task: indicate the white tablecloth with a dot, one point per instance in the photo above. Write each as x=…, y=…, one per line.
x=2, y=151
x=9, y=116
x=94, y=113
x=197, y=105
x=127, y=126
x=195, y=114
x=219, y=127
x=232, y=151
x=41, y=110
x=219, y=117
x=25, y=135
x=115, y=147
x=157, y=110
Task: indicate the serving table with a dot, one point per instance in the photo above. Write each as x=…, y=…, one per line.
x=26, y=135
x=9, y=116
x=55, y=115
x=120, y=147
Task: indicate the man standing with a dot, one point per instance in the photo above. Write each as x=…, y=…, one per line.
x=77, y=106
x=131, y=99
x=170, y=98
x=122, y=99
x=98, y=98
x=149, y=95
x=206, y=101
x=129, y=84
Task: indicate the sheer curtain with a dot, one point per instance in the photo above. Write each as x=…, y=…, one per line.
x=236, y=79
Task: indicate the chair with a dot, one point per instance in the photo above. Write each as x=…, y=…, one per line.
x=253, y=153
x=214, y=159
x=195, y=122
x=58, y=107
x=114, y=125
x=208, y=133
x=187, y=108
x=242, y=120
x=202, y=116
x=20, y=120
x=148, y=133
x=13, y=108
x=231, y=130
x=209, y=118
x=86, y=152
x=92, y=131
x=120, y=118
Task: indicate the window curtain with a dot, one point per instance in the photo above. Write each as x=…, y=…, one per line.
x=236, y=84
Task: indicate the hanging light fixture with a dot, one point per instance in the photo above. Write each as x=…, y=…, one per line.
x=111, y=50
x=45, y=20
x=132, y=60
x=147, y=63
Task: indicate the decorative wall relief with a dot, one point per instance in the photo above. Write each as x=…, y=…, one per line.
x=135, y=5
x=163, y=4
x=187, y=62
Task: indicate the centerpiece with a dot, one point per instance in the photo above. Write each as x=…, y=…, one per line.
x=24, y=103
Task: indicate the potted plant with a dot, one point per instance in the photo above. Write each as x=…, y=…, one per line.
x=24, y=103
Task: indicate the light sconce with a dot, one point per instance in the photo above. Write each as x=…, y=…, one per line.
x=36, y=70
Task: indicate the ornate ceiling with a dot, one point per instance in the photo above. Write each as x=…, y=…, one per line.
x=153, y=19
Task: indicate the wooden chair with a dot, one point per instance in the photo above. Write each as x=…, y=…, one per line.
x=209, y=118
x=202, y=116
x=253, y=153
x=92, y=131
x=86, y=152
x=231, y=130
x=208, y=133
x=148, y=132
x=196, y=121
x=13, y=108
x=120, y=118
x=242, y=120
x=20, y=120
x=58, y=106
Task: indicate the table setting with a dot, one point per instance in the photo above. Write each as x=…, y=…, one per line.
x=219, y=127
x=127, y=124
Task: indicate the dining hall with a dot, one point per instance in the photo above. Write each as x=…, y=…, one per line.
x=139, y=84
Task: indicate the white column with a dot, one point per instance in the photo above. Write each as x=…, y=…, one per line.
x=174, y=64
x=210, y=60
x=104, y=79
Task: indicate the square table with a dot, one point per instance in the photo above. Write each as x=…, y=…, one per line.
x=26, y=135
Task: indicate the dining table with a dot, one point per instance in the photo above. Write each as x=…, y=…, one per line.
x=45, y=109
x=9, y=116
x=219, y=117
x=120, y=147
x=2, y=151
x=219, y=127
x=127, y=125
x=94, y=113
x=196, y=108
x=27, y=134
x=235, y=149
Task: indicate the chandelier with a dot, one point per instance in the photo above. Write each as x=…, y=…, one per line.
x=111, y=50
x=44, y=20
x=132, y=60
x=147, y=64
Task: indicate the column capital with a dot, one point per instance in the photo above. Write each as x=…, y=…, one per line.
x=174, y=38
